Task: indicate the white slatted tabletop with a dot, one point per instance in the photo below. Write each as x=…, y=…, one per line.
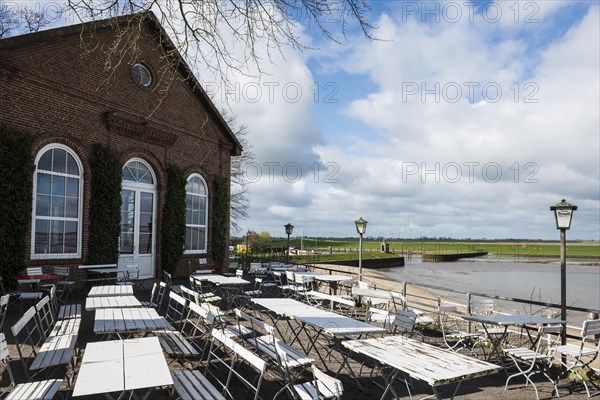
x=122, y=365
x=326, y=321
x=111, y=290
x=422, y=361
x=127, y=320
x=94, y=303
x=333, y=278
x=221, y=280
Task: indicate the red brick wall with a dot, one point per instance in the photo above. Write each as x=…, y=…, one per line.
x=60, y=89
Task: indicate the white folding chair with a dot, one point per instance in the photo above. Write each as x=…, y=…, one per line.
x=455, y=338
x=64, y=287
x=530, y=362
x=321, y=387
x=580, y=356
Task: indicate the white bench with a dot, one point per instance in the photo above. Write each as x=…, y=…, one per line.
x=225, y=352
x=266, y=343
x=336, y=303
x=192, y=385
x=32, y=390
x=37, y=349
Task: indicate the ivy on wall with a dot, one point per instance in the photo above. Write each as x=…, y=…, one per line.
x=105, y=206
x=16, y=194
x=220, y=219
x=173, y=219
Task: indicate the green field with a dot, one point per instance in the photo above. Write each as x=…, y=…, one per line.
x=575, y=249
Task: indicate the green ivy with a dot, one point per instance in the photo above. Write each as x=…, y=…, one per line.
x=220, y=219
x=105, y=206
x=173, y=219
x=16, y=187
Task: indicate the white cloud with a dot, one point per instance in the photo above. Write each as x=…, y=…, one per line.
x=542, y=134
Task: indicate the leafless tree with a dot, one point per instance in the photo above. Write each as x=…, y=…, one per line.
x=18, y=20
x=239, y=185
x=208, y=32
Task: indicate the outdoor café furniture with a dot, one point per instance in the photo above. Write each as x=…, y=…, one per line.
x=331, y=280
x=319, y=325
x=506, y=321
x=39, y=346
x=111, y=290
x=25, y=391
x=455, y=337
x=101, y=272
x=127, y=321
x=94, y=303
x=537, y=361
x=580, y=355
x=399, y=357
x=118, y=367
x=230, y=286
x=64, y=286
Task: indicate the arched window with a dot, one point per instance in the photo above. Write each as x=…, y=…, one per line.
x=58, y=183
x=196, y=210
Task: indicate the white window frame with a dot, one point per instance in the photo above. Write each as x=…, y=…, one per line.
x=46, y=256
x=205, y=226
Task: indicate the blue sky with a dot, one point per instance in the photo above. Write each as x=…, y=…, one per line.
x=463, y=120
x=469, y=126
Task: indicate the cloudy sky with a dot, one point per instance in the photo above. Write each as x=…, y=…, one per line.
x=463, y=120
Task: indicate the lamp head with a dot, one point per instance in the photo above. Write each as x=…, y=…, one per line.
x=361, y=226
x=563, y=213
x=289, y=228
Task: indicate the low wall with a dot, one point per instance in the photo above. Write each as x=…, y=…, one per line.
x=371, y=264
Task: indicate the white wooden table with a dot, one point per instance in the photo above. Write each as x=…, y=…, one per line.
x=101, y=272
x=221, y=279
x=506, y=321
x=125, y=321
x=433, y=365
x=333, y=281
x=120, y=366
x=319, y=324
x=94, y=303
x=230, y=286
x=111, y=290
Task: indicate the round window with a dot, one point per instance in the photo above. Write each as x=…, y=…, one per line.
x=142, y=75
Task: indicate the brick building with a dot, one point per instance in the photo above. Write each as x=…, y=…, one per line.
x=69, y=89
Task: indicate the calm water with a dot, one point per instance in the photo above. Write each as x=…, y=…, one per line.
x=535, y=281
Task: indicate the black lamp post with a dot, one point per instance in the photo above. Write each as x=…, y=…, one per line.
x=247, y=250
x=563, y=213
x=361, y=228
x=289, y=228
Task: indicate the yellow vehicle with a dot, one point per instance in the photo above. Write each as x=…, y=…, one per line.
x=241, y=249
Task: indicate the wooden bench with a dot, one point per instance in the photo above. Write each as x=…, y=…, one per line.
x=192, y=385
x=336, y=303
x=172, y=339
x=37, y=348
x=265, y=342
x=226, y=353
x=25, y=391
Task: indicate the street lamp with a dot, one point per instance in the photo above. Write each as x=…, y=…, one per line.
x=289, y=228
x=563, y=213
x=247, y=250
x=361, y=228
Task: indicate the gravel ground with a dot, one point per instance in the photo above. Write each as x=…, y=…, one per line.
x=490, y=387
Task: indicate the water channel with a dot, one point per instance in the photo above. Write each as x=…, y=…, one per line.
x=539, y=281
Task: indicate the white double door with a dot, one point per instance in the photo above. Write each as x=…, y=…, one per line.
x=137, y=238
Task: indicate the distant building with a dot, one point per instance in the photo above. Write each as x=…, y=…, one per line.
x=147, y=107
